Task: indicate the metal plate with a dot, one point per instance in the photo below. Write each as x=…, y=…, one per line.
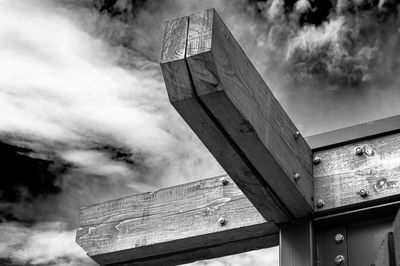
x=361, y=242
x=364, y=239
x=328, y=249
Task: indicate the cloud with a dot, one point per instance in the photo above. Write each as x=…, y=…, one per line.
x=81, y=96
x=43, y=244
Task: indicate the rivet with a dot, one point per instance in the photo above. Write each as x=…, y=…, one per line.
x=221, y=221
x=363, y=193
x=339, y=238
x=296, y=134
x=296, y=177
x=339, y=259
x=224, y=181
x=359, y=151
x=317, y=160
x=320, y=203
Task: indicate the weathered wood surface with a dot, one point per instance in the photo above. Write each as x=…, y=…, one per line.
x=182, y=96
x=296, y=243
x=174, y=225
x=385, y=255
x=233, y=91
x=342, y=173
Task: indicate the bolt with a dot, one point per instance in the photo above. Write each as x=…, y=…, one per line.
x=359, y=151
x=224, y=181
x=221, y=221
x=320, y=203
x=317, y=160
x=296, y=177
x=339, y=259
x=363, y=193
x=296, y=134
x=339, y=238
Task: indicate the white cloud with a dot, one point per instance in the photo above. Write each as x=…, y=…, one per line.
x=47, y=243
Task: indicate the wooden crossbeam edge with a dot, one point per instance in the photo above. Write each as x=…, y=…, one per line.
x=175, y=225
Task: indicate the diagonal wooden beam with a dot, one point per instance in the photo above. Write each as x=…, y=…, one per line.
x=182, y=96
x=175, y=225
x=231, y=89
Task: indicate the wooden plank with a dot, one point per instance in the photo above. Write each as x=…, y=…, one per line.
x=174, y=225
x=396, y=237
x=182, y=96
x=385, y=255
x=342, y=173
x=232, y=90
x=296, y=244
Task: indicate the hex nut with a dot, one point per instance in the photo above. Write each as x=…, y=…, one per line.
x=339, y=238
x=320, y=203
x=296, y=177
x=339, y=259
x=224, y=181
x=363, y=193
x=317, y=160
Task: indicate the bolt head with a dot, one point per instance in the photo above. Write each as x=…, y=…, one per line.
x=339, y=259
x=221, y=221
x=317, y=160
x=363, y=193
x=320, y=203
x=359, y=151
x=339, y=238
x=224, y=181
x=296, y=177
x=296, y=134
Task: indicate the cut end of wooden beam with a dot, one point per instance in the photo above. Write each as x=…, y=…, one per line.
x=200, y=33
x=173, y=64
x=175, y=39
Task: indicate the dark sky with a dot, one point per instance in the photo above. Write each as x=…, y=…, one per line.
x=85, y=116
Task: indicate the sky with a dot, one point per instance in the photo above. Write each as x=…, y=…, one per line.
x=85, y=116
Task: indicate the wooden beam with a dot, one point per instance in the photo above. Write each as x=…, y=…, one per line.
x=296, y=244
x=342, y=173
x=237, y=97
x=184, y=99
x=174, y=225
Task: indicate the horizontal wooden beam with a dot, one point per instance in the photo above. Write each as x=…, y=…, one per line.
x=342, y=175
x=182, y=96
x=174, y=225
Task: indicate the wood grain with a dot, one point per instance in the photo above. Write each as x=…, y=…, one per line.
x=385, y=255
x=167, y=225
x=184, y=99
x=232, y=90
x=342, y=173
